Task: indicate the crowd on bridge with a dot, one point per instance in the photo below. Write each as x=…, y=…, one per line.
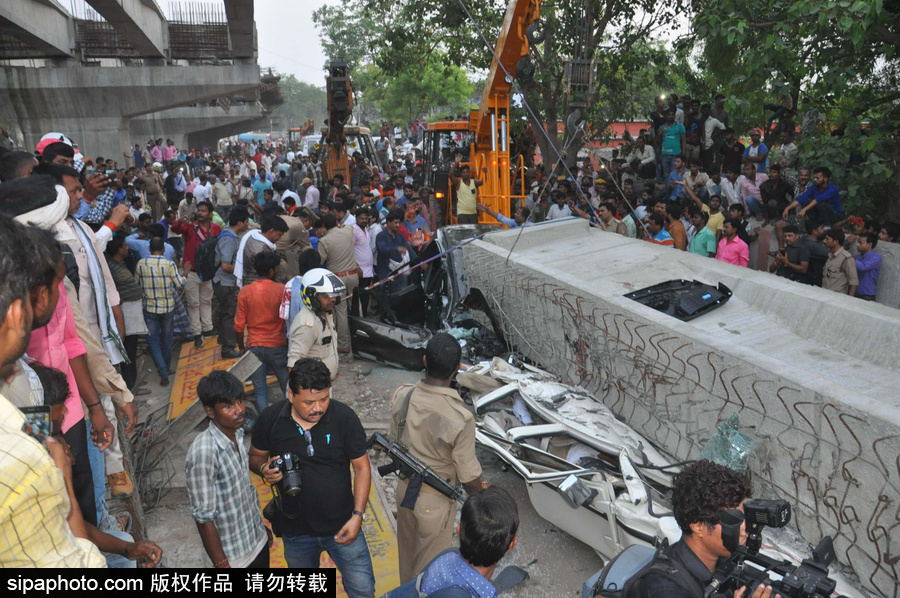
x=688, y=181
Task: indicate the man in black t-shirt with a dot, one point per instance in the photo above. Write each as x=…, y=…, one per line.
x=793, y=262
x=326, y=438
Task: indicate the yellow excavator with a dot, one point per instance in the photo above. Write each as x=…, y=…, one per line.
x=484, y=140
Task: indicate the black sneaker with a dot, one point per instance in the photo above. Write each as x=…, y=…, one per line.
x=198, y=341
x=210, y=333
x=163, y=381
x=230, y=354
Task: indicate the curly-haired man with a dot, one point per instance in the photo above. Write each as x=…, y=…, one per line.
x=699, y=492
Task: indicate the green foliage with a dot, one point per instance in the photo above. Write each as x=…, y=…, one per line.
x=345, y=30
x=836, y=60
x=302, y=101
x=431, y=86
x=397, y=85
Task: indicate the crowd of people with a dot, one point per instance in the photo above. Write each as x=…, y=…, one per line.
x=254, y=245
x=251, y=245
x=687, y=181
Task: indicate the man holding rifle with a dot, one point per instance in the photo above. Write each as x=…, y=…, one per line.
x=431, y=419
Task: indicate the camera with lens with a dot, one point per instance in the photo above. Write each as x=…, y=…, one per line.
x=289, y=465
x=746, y=567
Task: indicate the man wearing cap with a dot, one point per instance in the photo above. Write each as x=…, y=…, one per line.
x=311, y=200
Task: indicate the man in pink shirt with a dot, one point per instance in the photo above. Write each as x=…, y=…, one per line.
x=731, y=249
x=169, y=151
x=750, y=193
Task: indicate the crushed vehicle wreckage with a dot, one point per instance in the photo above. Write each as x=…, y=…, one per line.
x=428, y=299
x=585, y=471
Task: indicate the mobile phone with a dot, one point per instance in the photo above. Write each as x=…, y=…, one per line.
x=38, y=422
x=109, y=172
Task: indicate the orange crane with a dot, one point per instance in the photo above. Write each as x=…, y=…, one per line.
x=484, y=139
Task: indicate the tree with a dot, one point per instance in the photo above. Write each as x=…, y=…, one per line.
x=837, y=61
x=413, y=87
x=302, y=101
x=611, y=33
x=429, y=88
x=345, y=31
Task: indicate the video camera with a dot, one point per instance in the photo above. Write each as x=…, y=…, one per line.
x=808, y=580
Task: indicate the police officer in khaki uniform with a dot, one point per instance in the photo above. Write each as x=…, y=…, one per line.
x=312, y=332
x=439, y=430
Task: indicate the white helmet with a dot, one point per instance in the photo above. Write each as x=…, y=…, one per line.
x=320, y=281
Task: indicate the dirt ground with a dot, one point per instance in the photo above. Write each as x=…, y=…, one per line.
x=557, y=563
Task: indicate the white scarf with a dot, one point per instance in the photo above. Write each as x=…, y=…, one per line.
x=239, y=262
x=52, y=217
x=109, y=334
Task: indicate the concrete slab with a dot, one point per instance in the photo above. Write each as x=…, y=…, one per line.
x=178, y=123
x=813, y=375
x=141, y=22
x=43, y=25
x=241, y=27
x=94, y=105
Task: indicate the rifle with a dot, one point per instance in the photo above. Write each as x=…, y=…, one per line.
x=403, y=462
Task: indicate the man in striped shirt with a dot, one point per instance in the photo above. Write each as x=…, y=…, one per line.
x=224, y=503
x=657, y=230
x=160, y=279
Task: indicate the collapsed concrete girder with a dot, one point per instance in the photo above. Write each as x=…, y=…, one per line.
x=241, y=27
x=41, y=24
x=141, y=22
x=94, y=105
x=820, y=400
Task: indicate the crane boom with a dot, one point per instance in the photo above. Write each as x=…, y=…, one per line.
x=511, y=46
x=486, y=133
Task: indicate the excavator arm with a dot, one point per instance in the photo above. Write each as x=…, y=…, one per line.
x=490, y=122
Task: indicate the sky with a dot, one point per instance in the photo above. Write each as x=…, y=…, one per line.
x=288, y=39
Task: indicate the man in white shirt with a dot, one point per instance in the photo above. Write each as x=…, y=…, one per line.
x=203, y=191
x=731, y=185
x=642, y=160
x=559, y=209
x=707, y=144
x=312, y=195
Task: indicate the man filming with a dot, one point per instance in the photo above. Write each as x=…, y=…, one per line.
x=304, y=447
x=699, y=492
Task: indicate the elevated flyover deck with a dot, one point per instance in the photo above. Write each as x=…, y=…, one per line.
x=813, y=375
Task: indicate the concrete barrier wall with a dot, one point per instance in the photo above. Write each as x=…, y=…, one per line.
x=812, y=375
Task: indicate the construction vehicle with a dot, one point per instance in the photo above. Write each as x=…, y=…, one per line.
x=296, y=134
x=339, y=139
x=484, y=139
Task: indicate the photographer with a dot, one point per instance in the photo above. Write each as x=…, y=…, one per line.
x=312, y=441
x=699, y=492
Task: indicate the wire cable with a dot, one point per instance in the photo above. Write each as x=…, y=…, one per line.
x=538, y=123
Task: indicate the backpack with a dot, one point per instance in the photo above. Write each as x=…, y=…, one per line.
x=620, y=577
x=205, y=259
